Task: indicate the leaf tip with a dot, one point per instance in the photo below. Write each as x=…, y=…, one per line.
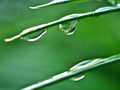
x=12, y=38
x=7, y=40
x=33, y=7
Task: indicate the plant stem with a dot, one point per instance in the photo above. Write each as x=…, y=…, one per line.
x=99, y=11
x=75, y=70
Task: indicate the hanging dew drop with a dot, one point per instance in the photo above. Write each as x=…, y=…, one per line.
x=68, y=27
x=78, y=78
x=34, y=36
x=80, y=65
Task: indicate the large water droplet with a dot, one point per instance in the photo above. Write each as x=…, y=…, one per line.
x=34, y=36
x=68, y=27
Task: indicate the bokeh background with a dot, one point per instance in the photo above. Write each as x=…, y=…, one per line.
x=24, y=63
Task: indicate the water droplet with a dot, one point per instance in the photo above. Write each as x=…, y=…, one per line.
x=68, y=27
x=103, y=9
x=85, y=64
x=77, y=78
x=80, y=64
x=34, y=36
x=113, y=2
x=118, y=4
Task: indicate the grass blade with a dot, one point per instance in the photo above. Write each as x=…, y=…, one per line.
x=70, y=17
x=75, y=70
x=54, y=2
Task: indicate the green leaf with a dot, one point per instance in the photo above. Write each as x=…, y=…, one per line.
x=53, y=2
x=79, y=68
x=70, y=17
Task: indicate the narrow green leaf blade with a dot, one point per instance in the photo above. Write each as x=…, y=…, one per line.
x=80, y=68
x=53, y=2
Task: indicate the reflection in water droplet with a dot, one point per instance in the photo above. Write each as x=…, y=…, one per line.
x=68, y=27
x=77, y=78
x=34, y=36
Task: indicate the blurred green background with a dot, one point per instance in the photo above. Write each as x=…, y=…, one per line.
x=24, y=63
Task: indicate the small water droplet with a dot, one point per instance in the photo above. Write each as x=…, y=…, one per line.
x=103, y=9
x=68, y=27
x=80, y=64
x=78, y=78
x=113, y=2
x=118, y=4
x=85, y=64
x=34, y=36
